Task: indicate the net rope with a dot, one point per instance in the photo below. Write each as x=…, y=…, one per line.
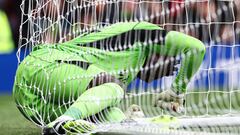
x=214, y=90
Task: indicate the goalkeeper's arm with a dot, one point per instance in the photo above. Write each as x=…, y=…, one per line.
x=192, y=52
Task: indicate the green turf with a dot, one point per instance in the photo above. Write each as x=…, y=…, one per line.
x=11, y=120
x=215, y=103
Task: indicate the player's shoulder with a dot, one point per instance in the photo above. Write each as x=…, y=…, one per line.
x=147, y=26
x=127, y=26
x=46, y=50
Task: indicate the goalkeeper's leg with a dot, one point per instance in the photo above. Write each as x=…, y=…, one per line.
x=111, y=114
x=95, y=100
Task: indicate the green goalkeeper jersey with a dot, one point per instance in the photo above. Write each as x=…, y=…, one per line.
x=52, y=77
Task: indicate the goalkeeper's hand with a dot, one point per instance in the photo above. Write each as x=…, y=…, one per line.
x=170, y=100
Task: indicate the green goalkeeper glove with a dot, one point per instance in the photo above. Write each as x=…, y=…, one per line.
x=170, y=100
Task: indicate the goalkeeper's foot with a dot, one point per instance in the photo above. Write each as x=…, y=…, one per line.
x=54, y=128
x=170, y=100
x=79, y=126
x=60, y=127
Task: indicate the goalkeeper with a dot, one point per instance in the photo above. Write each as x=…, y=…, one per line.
x=84, y=78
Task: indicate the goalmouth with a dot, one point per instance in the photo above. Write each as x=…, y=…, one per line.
x=212, y=103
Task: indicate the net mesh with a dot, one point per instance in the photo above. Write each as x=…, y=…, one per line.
x=212, y=92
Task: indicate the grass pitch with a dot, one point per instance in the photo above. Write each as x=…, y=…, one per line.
x=12, y=121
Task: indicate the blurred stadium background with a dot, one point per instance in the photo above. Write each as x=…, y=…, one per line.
x=215, y=73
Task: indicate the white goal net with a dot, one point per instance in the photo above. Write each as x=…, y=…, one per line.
x=213, y=94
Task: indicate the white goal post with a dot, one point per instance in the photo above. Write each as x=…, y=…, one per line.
x=213, y=95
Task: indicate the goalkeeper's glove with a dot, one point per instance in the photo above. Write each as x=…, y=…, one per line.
x=170, y=100
x=134, y=111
